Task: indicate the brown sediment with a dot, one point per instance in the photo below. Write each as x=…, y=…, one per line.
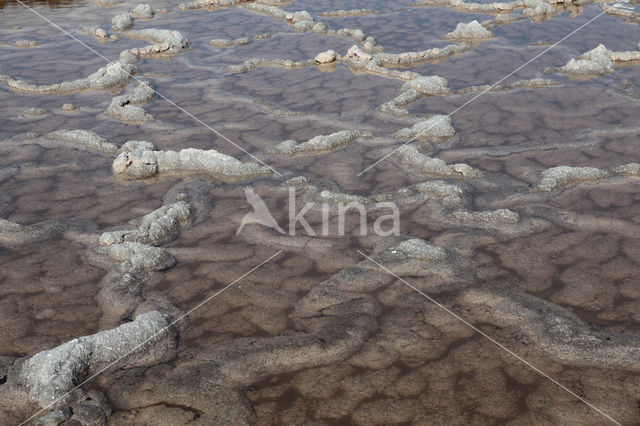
x=542, y=257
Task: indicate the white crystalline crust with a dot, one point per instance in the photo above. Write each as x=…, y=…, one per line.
x=140, y=160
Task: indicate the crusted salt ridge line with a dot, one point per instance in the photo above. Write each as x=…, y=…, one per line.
x=155, y=228
x=342, y=13
x=381, y=63
x=555, y=330
x=410, y=156
x=99, y=33
x=628, y=15
x=414, y=90
x=84, y=139
x=562, y=176
x=129, y=255
x=50, y=374
x=449, y=196
x=141, y=160
x=531, y=8
x=598, y=61
x=16, y=235
x=409, y=58
x=450, y=199
x=224, y=43
x=115, y=74
x=337, y=317
x=125, y=107
x=250, y=64
x=302, y=21
x=319, y=144
x=165, y=41
x=520, y=84
x=201, y=4
x=21, y=44
x=469, y=31
x=437, y=126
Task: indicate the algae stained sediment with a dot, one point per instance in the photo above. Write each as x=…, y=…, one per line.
x=119, y=212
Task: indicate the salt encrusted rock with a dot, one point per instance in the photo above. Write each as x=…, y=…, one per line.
x=142, y=11
x=409, y=155
x=140, y=160
x=356, y=53
x=84, y=138
x=471, y=30
x=100, y=33
x=50, y=374
x=121, y=22
x=156, y=228
x=557, y=177
x=68, y=107
x=320, y=143
x=325, y=57
x=124, y=107
x=437, y=126
x=229, y=43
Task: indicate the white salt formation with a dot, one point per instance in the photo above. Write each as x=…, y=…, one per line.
x=84, y=139
x=126, y=107
x=158, y=227
x=438, y=126
x=325, y=57
x=141, y=160
x=122, y=22
x=50, y=374
x=165, y=41
x=414, y=90
x=557, y=177
x=469, y=31
x=229, y=43
x=319, y=144
x=410, y=156
x=115, y=74
x=142, y=11
x=598, y=61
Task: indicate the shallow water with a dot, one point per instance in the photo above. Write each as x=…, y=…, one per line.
x=577, y=247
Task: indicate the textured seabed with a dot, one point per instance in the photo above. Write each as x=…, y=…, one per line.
x=519, y=213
